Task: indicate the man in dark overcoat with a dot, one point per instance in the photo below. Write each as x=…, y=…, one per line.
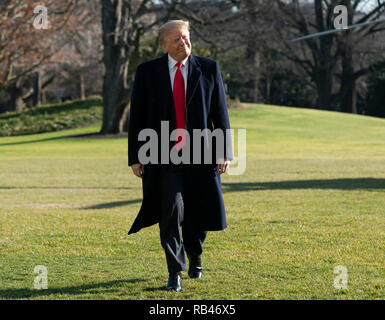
x=179, y=92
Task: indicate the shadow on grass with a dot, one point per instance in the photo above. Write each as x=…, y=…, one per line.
x=94, y=288
x=338, y=184
x=62, y=187
x=108, y=205
x=152, y=289
x=90, y=135
x=31, y=141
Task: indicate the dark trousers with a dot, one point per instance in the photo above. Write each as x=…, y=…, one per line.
x=175, y=195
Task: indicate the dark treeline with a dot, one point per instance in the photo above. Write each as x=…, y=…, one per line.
x=343, y=71
x=93, y=47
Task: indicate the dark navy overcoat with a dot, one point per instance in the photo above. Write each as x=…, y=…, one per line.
x=151, y=103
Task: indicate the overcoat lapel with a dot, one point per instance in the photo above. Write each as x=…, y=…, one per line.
x=166, y=90
x=194, y=74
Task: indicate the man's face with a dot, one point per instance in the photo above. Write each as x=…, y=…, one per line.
x=178, y=44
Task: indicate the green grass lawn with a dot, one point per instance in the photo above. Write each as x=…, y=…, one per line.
x=312, y=198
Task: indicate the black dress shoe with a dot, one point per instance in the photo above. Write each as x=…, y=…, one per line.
x=195, y=267
x=174, y=281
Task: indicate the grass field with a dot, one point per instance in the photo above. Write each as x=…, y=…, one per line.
x=312, y=198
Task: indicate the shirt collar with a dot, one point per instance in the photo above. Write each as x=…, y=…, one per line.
x=172, y=62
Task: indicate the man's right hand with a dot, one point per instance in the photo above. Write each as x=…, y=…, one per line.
x=137, y=169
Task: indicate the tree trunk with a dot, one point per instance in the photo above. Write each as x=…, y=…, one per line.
x=252, y=64
x=43, y=97
x=36, y=96
x=252, y=59
x=82, y=86
x=348, y=83
x=349, y=99
x=324, y=84
x=268, y=90
x=116, y=32
x=16, y=97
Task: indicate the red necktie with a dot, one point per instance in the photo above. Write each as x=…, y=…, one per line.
x=179, y=103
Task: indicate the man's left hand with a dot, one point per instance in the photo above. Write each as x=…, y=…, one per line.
x=223, y=165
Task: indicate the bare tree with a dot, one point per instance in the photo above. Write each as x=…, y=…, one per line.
x=318, y=57
x=353, y=47
x=24, y=49
x=125, y=23
x=315, y=57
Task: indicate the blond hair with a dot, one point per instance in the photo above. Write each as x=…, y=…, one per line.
x=170, y=26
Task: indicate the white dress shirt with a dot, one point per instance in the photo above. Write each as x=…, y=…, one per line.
x=183, y=69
